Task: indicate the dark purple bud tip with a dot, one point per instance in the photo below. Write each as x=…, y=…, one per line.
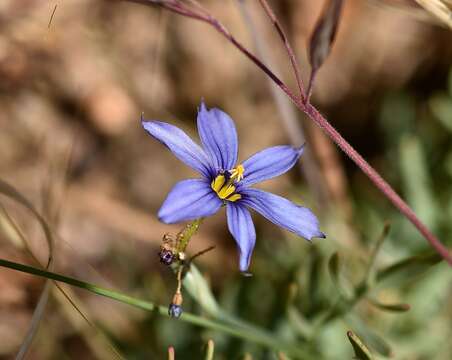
x=175, y=311
x=166, y=257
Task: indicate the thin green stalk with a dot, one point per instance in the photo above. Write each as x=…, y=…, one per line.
x=210, y=350
x=369, y=276
x=260, y=337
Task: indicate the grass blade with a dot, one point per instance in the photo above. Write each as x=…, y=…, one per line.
x=260, y=337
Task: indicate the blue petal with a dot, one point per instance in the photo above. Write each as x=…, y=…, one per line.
x=241, y=227
x=189, y=200
x=218, y=136
x=270, y=163
x=283, y=213
x=180, y=145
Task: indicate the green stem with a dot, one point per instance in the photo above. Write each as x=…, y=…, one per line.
x=368, y=275
x=261, y=337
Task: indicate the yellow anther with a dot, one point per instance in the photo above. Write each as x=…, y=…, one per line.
x=234, y=197
x=218, y=183
x=226, y=191
x=237, y=173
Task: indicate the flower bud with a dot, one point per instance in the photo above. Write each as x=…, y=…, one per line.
x=166, y=256
x=174, y=311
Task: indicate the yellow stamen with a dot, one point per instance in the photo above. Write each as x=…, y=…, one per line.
x=218, y=183
x=234, y=197
x=237, y=173
x=226, y=191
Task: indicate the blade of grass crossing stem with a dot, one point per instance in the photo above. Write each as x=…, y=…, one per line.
x=17, y=237
x=35, y=320
x=259, y=337
x=65, y=296
x=12, y=193
x=13, y=232
x=38, y=312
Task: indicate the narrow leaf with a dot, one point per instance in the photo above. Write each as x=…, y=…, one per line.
x=35, y=320
x=441, y=107
x=333, y=267
x=322, y=37
x=390, y=307
x=361, y=350
x=324, y=33
x=406, y=269
x=196, y=285
x=370, y=272
x=374, y=341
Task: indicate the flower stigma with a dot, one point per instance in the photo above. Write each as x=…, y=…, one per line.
x=223, y=184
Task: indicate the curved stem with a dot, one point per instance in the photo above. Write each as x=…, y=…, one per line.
x=181, y=9
x=293, y=60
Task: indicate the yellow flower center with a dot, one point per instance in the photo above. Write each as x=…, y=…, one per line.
x=226, y=189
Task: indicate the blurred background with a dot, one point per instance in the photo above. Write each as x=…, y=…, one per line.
x=71, y=142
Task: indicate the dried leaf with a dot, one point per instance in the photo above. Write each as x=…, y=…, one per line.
x=324, y=33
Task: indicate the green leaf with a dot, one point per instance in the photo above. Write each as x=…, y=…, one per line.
x=333, y=268
x=390, y=307
x=361, y=350
x=244, y=331
x=441, y=107
x=417, y=181
x=196, y=285
x=407, y=269
x=375, y=341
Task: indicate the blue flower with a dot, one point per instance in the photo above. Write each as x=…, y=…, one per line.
x=226, y=183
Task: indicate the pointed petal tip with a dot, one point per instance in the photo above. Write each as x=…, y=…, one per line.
x=202, y=105
x=163, y=217
x=321, y=235
x=300, y=149
x=246, y=273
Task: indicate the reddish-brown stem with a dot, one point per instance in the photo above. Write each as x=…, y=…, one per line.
x=310, y=85
x=282, y=35
x=314, y=115
x=378, y=181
